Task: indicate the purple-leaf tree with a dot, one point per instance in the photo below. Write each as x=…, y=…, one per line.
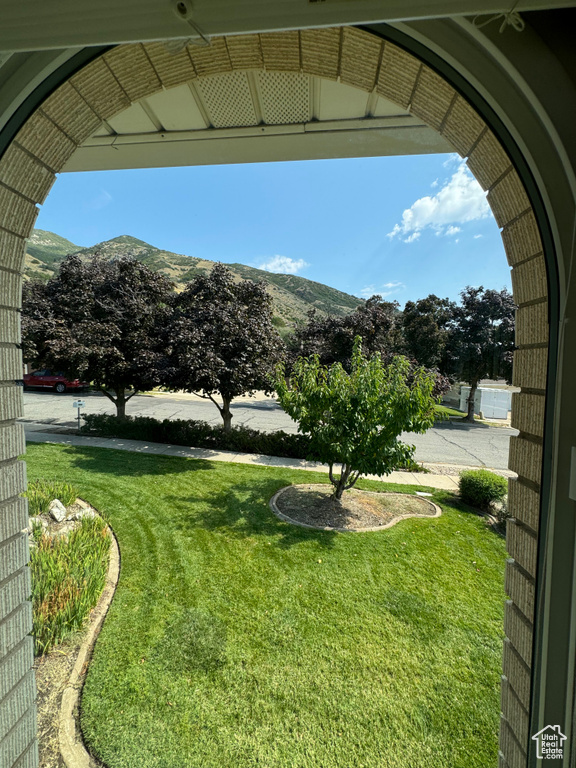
x=99, y=320
x=221, y=342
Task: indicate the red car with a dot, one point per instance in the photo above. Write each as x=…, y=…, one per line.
x=46, y=379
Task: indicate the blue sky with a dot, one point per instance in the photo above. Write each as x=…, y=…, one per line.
x=403, y=227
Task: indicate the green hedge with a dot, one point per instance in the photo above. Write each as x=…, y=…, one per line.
x=481, y=488
x=198, y=434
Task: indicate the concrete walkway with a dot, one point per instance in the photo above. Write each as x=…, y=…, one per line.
x=34, y=434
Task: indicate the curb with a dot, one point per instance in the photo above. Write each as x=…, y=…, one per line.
x=372, y=529
x=72, y=747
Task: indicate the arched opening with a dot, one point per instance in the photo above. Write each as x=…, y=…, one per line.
x=61, y=129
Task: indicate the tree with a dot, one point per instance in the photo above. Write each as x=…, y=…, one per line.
x=354, y=419
x=332, y=337
x=221, y=339
x=98, y=319
x=426, y=326
x=483, y=338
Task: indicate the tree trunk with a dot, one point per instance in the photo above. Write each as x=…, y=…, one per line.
x=120, y=403
x=120, y=400
x=340, y=484
x=470, y=401
x=226, y=414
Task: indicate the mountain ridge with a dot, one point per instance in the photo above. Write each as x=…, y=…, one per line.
x=293, y=296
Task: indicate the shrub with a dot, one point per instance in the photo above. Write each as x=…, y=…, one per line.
x=481, y=488
x=501, y=511
x=41, y=492
x=199, y=434
x=356, y=418
x=68, y=576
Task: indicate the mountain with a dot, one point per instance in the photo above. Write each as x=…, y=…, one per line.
x=292, y=296
x=44, y=252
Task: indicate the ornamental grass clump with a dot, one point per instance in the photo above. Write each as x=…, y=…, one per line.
x=68, y=576
x=481, y=488
x=41, y=492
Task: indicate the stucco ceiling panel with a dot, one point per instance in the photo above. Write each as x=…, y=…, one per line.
x=132, y=120
x=177, y=110
x=341, y=102
x=385, y=108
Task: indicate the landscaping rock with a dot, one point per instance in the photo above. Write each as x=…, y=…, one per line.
x=32, y=521
x=65, y=529
x=57, y=510
x=82, y=514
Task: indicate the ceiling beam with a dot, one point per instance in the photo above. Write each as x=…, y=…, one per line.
x=39, y=25
x=312, y=141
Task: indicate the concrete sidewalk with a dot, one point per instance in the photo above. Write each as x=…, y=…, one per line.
x=34, y=434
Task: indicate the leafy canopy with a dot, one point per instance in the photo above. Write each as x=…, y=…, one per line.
x=99, y=320
x=483, y=336
x=332, y=338
x=221, y=339
x=426, y=327
x=355, y=419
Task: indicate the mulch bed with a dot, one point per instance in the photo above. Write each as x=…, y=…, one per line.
x=313, y=506
x=52, y=674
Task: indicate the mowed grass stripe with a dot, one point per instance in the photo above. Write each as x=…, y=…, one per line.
x=229, y=644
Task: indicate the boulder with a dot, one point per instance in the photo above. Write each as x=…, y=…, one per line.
x=57, y=510
x=83, y=513
x=65, y=529
x=34, y=521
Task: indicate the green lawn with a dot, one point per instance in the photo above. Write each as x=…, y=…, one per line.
x=236, y=640
x=444, y=412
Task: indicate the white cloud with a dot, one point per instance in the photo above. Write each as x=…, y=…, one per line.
x=434, y=184
x=283, y=264
x=452, y=230
x=476, y=237
x=451, y=159
x=99, y=201
x=387, y=289
x=459, y=201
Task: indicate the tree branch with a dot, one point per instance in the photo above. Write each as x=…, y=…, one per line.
x=221, y=409
x=352, y=482
x=204, y=397
x=108, y=395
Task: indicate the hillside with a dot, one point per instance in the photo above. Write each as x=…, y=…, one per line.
x=44, y=252
x=293, y=296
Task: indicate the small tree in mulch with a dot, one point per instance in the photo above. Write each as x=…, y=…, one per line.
x=355, y=419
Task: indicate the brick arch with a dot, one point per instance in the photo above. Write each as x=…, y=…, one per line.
x=128, y=73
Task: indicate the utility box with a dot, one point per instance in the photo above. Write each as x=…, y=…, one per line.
x=493, y=403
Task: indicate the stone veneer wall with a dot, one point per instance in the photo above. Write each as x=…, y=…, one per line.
x=130, y=72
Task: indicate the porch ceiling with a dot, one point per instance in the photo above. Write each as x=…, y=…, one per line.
x=250, y=116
